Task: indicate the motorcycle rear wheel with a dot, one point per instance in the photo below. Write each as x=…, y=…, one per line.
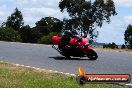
x=92, y=55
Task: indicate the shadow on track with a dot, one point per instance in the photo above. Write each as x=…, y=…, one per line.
x=72, y=58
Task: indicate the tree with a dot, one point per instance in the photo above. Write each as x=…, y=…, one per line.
x=68, y=24
x=29, y=35
x=105, y=46
x=15, y=20
x=49, y=24
x=113, y=45
x=85, y=15
x=123, y=46
x=93, y=34
x=9, y=34
x=47, y=39
x=110, y=45
x=128, y=36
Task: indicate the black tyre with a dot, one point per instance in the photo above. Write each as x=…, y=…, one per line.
x=92, y=55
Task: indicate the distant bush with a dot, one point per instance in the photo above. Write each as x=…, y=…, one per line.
x=110, y=45
x=47, y=39
x=9, y=34
x=29, y=35
x=123, y=46
x=104, y=46
x=113, y=46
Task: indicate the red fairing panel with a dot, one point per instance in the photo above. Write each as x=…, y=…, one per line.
x=56, y=40
x=84, y=41
x=73, y=41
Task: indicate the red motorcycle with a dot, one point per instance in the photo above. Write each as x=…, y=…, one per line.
x=76, y=47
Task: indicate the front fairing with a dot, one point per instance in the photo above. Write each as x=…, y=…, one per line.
x=56, y=40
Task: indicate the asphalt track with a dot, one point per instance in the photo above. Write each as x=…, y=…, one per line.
x=45, y=57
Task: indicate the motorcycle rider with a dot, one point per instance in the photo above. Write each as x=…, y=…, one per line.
x=67, y=37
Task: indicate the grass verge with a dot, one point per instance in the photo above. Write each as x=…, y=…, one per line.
x=120, y=50
x=12, y=76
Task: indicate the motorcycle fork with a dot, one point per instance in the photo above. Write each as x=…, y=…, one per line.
x=53, y=46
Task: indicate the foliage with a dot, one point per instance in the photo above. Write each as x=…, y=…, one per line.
x=67, y=24
x=128, y=36
x=49, y=24
x=29, y=35
x=86, y=15
x=15, y=20
x=93, y=34
x=110, y=45
x=47, y=39
x=123, y=46
x=9, y=34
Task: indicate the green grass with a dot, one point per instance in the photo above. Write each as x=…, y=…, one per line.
x=12, y=76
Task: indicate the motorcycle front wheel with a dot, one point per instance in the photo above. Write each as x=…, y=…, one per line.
x=92, y=55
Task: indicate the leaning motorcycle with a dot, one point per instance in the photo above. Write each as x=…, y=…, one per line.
x=76, y=48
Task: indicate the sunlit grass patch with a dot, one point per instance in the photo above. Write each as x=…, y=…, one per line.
x=12, y=76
